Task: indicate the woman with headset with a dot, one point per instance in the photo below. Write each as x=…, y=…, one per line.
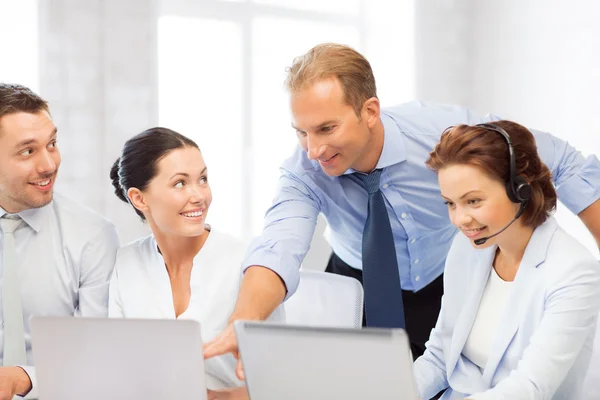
x=521, y=296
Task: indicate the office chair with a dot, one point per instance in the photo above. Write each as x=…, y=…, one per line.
x=325, y=299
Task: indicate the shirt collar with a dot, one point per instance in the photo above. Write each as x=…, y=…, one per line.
x=394, y=147
x=33, y=217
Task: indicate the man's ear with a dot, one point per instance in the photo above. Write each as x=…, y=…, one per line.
x=137, y=199
x=371, y=110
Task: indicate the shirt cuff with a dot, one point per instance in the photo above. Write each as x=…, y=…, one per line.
x=286, y=267
x=582, y=189
x=33, y=393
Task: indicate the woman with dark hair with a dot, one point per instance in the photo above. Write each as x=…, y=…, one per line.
x=183, y=270
x=521, y=296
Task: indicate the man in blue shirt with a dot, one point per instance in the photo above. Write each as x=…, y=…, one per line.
x=344, y=137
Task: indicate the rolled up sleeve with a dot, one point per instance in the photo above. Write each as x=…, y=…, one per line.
x=582, y=188
x=577, y=178
x=33, y=393
x=289, y=226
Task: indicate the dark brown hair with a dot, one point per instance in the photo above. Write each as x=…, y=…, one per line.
x=488, y=150
x=137, y=165
x=17, y=98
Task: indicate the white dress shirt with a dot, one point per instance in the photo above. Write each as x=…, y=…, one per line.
x=487, y=321
x=66, y=254
x=140, y=288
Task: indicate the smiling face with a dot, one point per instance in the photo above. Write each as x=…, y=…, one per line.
x=177, y=199
x=329, y=130
x=477, y=204
x=29, y=160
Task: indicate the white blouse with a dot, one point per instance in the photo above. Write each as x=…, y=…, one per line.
x=493, y=301
x=140, y=288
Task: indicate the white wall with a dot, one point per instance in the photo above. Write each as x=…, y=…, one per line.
x=538, y=62
x=19, y=42
x=98, y=73
x=442, y=43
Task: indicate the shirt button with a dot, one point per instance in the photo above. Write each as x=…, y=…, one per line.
x=403, y=215
x=413, y=240
x=417, y=261
x=417, y=278
x=385, y=185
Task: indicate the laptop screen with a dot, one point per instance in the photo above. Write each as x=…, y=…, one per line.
x=323, y=363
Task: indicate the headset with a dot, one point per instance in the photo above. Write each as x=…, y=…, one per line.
x=517, y=188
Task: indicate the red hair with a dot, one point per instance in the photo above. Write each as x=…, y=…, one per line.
x=488, y=150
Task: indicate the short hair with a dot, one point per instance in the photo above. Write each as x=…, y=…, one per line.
x=137, y=165
x=488, y=150
x=328, y=60
x=17, y=98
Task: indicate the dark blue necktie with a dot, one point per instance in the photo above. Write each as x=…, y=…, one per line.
x=381, y=279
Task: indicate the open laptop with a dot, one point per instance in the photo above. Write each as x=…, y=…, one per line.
x=292, y=362
x=117, y=359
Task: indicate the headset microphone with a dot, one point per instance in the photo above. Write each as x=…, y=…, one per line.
x=517, y=188
x=481, y=241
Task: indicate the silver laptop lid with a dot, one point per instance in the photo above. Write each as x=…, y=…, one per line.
x=292, y=362
x=99, y=359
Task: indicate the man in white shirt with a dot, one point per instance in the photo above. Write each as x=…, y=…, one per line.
x=57, y=252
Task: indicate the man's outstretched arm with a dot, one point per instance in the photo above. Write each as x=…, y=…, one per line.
x=261, y=292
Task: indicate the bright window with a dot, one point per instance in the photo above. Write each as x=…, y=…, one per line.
x=348, y=7
x=200, y=96
x=19, y=42
x=273, y=139
x=221, y=82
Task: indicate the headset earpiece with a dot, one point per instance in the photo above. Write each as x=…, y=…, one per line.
x=522, y=189
x=517, y=188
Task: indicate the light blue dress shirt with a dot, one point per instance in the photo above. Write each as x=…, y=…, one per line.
x=419, y=218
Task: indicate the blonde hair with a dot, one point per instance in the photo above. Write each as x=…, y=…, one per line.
x=328, y=60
